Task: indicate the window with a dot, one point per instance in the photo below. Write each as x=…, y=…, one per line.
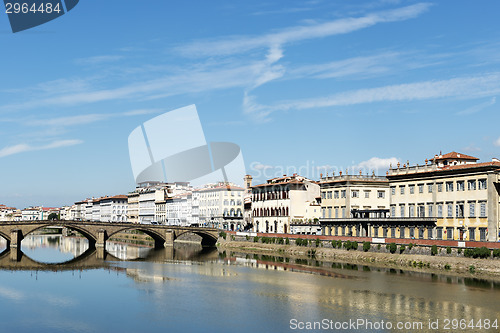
x=323, y=211
x=439, y=210
x=329, y=194
x=393, y=190
x=429, y=188
x=472, y=209
x=355, y=193
x=449, y=186
x=336, y=212
x=336, y=194
x=439, y=233
x=367, y=194
x=385, y=232
x=460, y=185
x=412, y=233
x=343, y=212
x=482, y=184
x=420, y=188
x=429, y=210
x=402, y=210
x=482, y=234
x=393, y=211
x=459, y=211
x=449, y=233
x=402, y=232
x=472, y=234
x=421, y=211
x=375, y=231
x=471, y=185
x=393, y=232
x=411, y=210
x=450, y=209
x=482, y=211
x=329, y=212
x=381, y=194
x=440, y=187
x=412, y=189
x=402, y=189
x=343, y=193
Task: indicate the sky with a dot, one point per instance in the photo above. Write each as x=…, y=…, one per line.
x=301, y=86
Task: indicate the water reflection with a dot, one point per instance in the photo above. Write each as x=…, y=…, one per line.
x=190, y=288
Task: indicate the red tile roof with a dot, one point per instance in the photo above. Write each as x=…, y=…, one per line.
x=467, y=166
x=454, y=155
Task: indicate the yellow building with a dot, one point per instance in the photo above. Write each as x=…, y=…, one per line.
x=462, y=194
x=347, y=198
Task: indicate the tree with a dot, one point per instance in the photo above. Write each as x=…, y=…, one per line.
x=53, y=216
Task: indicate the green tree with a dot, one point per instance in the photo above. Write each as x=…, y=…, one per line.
x=53, y=216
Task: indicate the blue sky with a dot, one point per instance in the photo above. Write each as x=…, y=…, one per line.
x=299, y=85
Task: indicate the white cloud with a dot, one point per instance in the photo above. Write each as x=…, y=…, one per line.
x=464, y=87
x=260, y=166
x=238, y=45
x=98, y=59
x=21, y=148
x=377, y=164
x=479, y=107
x=497, y=142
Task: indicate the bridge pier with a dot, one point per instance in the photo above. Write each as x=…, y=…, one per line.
x=102, y=236
x=16, y=254
x=169, y=238
x=16, y=236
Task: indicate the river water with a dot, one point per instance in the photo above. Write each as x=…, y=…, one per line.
x=55, y=284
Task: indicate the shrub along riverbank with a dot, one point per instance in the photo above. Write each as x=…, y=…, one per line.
x=478, y=262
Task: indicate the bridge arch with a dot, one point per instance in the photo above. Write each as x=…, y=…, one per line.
x=158, y=238
x=6, y=237
x=207, y=238
x=86, y=233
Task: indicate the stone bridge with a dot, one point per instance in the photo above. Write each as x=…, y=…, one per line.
x=99, y=232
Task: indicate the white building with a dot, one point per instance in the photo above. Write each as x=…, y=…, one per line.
x=281, y=201
x=221, y=206
x=113, y=209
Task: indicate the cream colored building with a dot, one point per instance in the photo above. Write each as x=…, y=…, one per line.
x=133, y=207
x=462, y=194
x=342, y=194
x=281, y=201
x=221, y=206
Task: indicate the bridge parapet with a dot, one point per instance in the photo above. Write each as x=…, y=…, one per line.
x=99, y=232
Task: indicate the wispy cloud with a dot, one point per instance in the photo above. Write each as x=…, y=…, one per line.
x=83, y=119
x=98, y=59
x=479, y=107
x=22, y=148
x=242, y=44
x=464, y=87
x=497, y=142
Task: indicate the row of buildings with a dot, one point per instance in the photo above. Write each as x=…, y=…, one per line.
x=451, y=196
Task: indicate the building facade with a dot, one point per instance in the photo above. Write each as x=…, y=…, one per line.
x=347, y=198
x=281, y=201
x=460, y=193
x=221, y=206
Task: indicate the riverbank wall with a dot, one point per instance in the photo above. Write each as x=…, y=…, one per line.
x=428, y=255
